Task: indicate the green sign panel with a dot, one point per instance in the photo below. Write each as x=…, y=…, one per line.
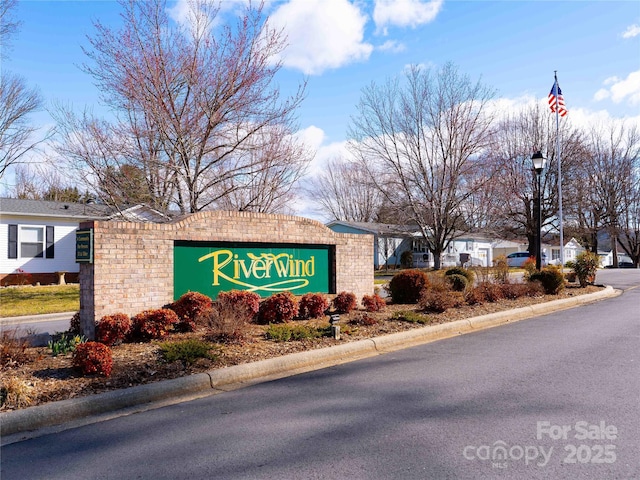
x=84, y=246
x=266, y=269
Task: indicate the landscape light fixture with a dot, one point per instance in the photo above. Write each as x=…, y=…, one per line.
x=539, y=163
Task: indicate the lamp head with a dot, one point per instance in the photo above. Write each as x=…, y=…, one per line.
x=539, y=162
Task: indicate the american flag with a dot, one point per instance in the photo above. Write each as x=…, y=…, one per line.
x=554, y=94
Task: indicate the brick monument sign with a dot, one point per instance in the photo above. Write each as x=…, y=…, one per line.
x=128, y=267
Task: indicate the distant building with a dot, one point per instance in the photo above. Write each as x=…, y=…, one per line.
x=390, y=241
x=39, y=237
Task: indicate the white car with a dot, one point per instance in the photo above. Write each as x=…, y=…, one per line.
x=517, y=259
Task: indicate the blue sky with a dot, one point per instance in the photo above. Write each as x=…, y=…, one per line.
x=341, y=46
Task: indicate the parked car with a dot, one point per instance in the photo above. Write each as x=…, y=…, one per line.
x=623, y=264
x=517, y=259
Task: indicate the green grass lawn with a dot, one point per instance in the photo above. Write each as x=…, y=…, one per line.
x=16, y=301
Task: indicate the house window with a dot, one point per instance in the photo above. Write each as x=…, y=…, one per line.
x=555, y=254
x=419, y=246
x=31, y=241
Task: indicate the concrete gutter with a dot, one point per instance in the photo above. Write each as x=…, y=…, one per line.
x=56, y=416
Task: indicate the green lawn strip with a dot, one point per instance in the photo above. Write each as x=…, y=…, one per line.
x=18, y=301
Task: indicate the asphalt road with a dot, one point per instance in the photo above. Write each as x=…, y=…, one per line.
x=557, y=396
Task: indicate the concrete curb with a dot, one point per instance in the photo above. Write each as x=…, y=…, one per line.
x=167, y=392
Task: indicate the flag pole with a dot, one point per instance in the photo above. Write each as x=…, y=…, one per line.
x=555, y=75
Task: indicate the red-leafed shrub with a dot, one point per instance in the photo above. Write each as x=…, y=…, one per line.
x=278, y=308
x=513, y=291
x=245, y=301
x=373, y=303
x=188, y=307
x=312, y=305
x=484, y=292
x=406, y=286
x=344, y=302
x=363, y=319
x=438, y=301
x=113, y=329
x=93, y=358
x=153, y=323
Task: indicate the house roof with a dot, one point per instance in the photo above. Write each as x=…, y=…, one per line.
x=79, y=211
x=376, y=228
x=42, y=208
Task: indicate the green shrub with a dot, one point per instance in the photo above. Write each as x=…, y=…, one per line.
x=406, y=286
x=65, y=343
x=242, y=299
x=152, y=324
x=585, y=267
x=459, y=283
x=344, y=302
x=113, y=329
x=411, y=317
x=188, y=307
x=278, y=308
x=373, y=303
x=93, y=358
x=288, y=332
x=186, y=351
x=468, y=274
x=551, y=279
x=312, y=305
x=406, y=259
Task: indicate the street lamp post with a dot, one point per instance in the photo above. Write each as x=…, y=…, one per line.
x=539, y=162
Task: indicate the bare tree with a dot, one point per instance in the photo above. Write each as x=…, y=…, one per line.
x=612, y=168
x=17, y=101
x=279, y=162
x=518, y=136
x=8, y=25
x=420, y=141
x=344, y=191
x=40, y=182
x=194, y=104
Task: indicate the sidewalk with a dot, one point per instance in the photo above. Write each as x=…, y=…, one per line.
x=47, y=317
x=57, y=416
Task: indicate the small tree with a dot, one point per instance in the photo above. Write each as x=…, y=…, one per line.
x=585, y=267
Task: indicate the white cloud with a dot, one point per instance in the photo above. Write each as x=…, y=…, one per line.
x=627, y=89
x=392, y=46
x=405, y=13
x=631, y=31
x=321, y=34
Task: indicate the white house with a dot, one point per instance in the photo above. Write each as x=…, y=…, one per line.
x=390, y=241
x=39, y=237
x=571, y=250
x=466, y=250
